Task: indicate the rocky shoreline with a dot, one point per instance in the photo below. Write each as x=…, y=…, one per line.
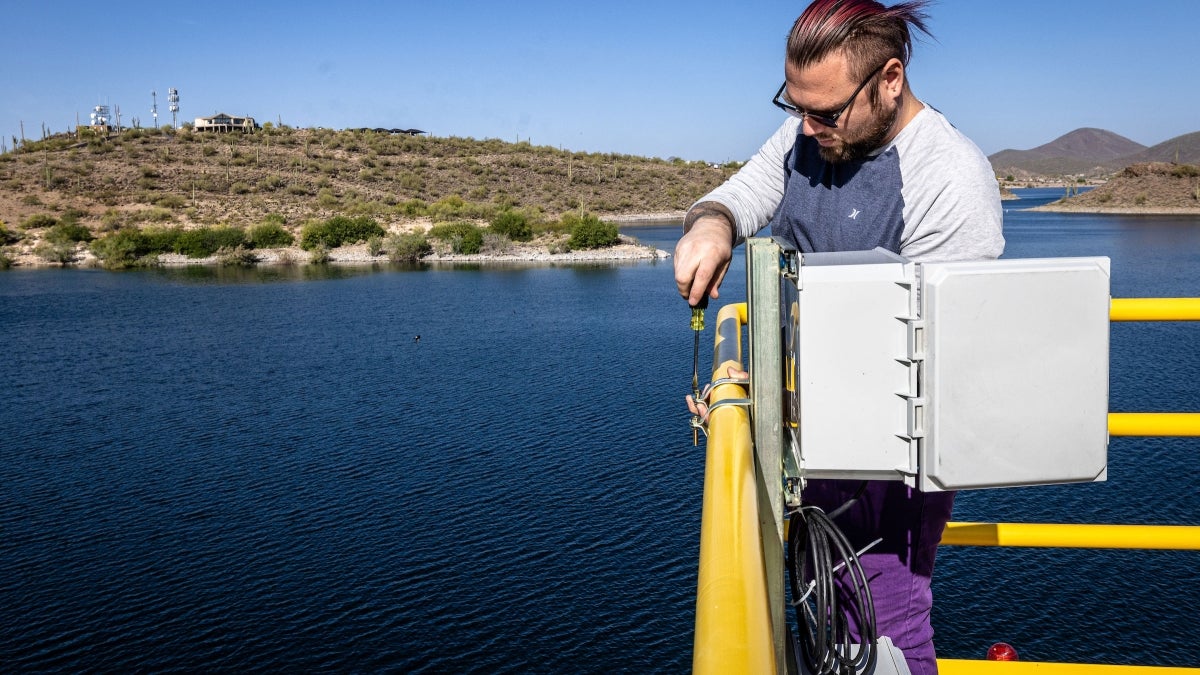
x=1119, y=210
x=628, y=250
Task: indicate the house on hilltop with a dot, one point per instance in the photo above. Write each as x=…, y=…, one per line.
x=223, y=122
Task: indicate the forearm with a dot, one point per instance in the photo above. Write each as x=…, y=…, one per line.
x=749, y=198
x=712, y=213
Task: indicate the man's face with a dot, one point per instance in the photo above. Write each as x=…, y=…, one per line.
x=824, y=87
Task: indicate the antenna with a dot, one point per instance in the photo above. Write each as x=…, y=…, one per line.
x=100, y=116
x=173, y=104
x=154, y=107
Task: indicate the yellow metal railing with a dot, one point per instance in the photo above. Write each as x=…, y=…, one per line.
x=972, y=667
x=1053, y=535
x=1154, y=309
x=1154, y=424
x=734, y=633
x=733, y=608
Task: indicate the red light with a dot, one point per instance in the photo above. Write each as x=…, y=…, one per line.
x=1001, y=651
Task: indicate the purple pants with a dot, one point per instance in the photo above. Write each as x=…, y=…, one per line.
x=898, y=568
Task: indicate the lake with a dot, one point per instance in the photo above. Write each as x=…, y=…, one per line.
x=267, y=470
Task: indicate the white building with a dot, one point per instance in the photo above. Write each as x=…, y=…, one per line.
x=224, y=122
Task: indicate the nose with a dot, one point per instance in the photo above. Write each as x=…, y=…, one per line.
x=810, y=127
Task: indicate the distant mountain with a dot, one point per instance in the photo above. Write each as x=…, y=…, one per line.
x=1183, y=149
x=1083, y=151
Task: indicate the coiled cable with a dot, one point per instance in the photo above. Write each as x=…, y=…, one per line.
x=820, y=559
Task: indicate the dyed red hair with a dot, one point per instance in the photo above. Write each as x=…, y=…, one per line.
x=869, y=32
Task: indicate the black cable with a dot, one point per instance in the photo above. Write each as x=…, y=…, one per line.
x=818, y=556
x=862, y=487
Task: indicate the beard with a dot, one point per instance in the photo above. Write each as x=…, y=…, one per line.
x=874, y=133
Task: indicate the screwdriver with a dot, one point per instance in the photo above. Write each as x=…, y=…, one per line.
x=697, y=327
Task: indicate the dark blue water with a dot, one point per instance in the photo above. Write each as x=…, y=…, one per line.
x=231, y=470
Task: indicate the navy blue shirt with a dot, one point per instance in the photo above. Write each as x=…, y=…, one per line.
x=840, y=206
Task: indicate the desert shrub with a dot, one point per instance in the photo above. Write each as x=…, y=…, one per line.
x=361, y=207
x=239, y=256
x=375, y=245
x=68, y=232
x=412, y=208
x=153, y=214
x=464, y=237
x=408, y=247
x=270, y=234
x=588, y=231
x=327, y=199
x=512, y=224
x=411, y=182
x=469, y=244
x=447, y=208
x=39, y=220
x=203, y=242
x=495, y=243
x=72, y=215
x=128, y=247
x=1185, y=170
x=171, y=202
x=5, y=261
x=337, y=231
x=55, y=251
x=272, y=183
x=454, y=208
x=161, y=239
x=7, y=236
x=449, y=231
x=320, y=256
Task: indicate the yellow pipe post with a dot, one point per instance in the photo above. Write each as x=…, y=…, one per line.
x=1154, y=424
x=971, y=667
x=1056, y=535
x=733, y=620
x=1154, y=309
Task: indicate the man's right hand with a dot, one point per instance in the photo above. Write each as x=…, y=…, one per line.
x=702, y=255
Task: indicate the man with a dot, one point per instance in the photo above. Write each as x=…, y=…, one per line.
x=860, y=163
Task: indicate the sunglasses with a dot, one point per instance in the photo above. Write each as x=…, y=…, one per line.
x=824, y=119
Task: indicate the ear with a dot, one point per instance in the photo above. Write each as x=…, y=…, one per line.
x=893, y=78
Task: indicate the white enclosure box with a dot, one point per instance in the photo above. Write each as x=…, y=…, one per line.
x=846, y=340
x=947, y=375
x=1015, y=372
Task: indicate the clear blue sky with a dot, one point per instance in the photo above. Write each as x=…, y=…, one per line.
x=654, y=78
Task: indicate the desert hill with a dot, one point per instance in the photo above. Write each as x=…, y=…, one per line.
x=1183, y=149
x=1146, y=188
x=189, y=178
x=1091, y=154
x=1086, y=152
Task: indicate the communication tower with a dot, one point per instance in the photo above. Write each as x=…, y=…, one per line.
x=173, y=104
x=154, y=107
x=100, y=116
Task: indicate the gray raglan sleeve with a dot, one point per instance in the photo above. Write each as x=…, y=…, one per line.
x=952, y=205
x=753, y=193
